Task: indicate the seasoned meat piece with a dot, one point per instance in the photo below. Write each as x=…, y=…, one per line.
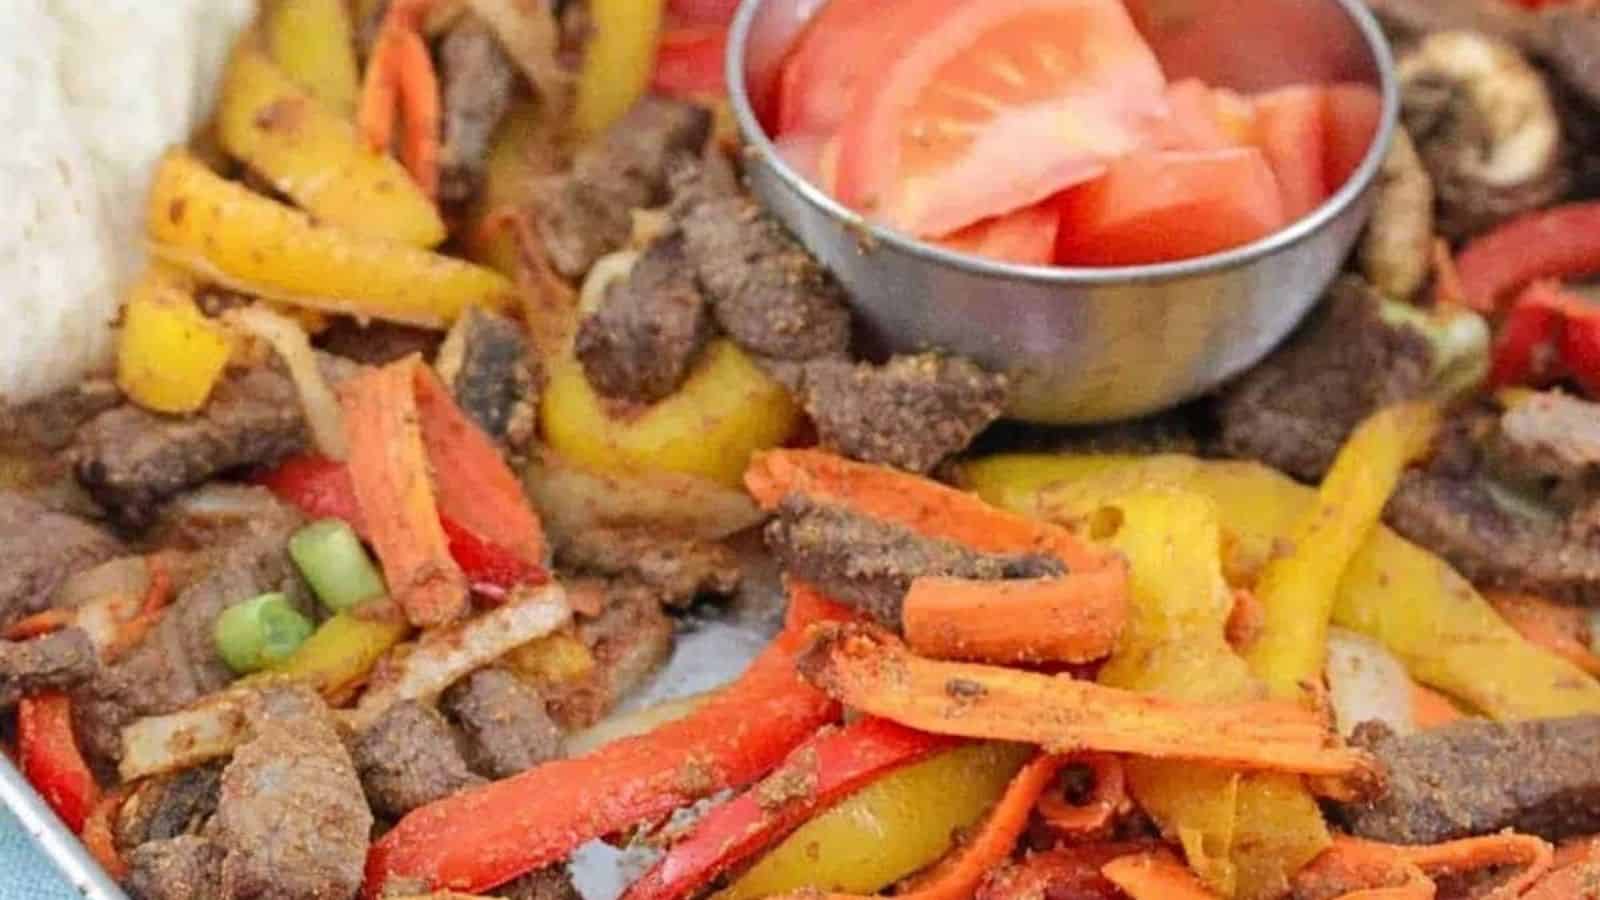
x=910, y=413
x=477, y=80
x=130, y=459
x=409, y=758
x=584, y=214
x=1569, y=41
x=641, y=342
x=677, y=570
x=488, y=364
x=630, y=639
x=505, y=722
x=174, y=806
x=56, y=661
x=292, y=817
x=1554, y=435
x=48, y=424
x=1295, y=409
x=181, y=868
x=178, y=662
x=1475, y=777
x=40, y=549
x=766, y=292
x=551, y=883
x=377, y=342
x=870, y=564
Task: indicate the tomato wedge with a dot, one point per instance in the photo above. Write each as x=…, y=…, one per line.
x=689, y=62
x=994, y=105
x=811, y=155
x=1206, y=118
x=1353, y=112
x=819, y=78
x=1163, y=206
x=1289, y=130
x=1027, y=236
x=702, y=12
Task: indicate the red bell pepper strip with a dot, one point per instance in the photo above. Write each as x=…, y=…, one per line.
x=1548, y=334
x=478, y=839
x=833, y=764
x=321, y=488
x=689, y=62
x=50, y=758
x=1558, y=242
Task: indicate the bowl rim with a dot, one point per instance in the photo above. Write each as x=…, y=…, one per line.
x=874, y=234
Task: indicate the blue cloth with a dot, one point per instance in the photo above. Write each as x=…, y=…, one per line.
x=25, y=874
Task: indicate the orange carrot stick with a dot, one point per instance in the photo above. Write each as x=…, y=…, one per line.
x=156, y=597
x=1155, y=875
x=1577, y=850
x=38, y=624
x=871, y=670
x=380, y=96
x=1563, y=630
x=420, y=107
x=1471, y=854
x=924, y=506
x=1579, y=881
x=472, y=483
x=1354, y=868
x=1432, y=709
x=1092, y=819
x=389, y=471
x=100, y=828
x=1073, y=619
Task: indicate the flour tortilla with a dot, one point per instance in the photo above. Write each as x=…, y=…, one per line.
x=91, y=93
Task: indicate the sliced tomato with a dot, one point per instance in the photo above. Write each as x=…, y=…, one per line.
x=1353, y=113
x=702, y=12
x=689, y=62
x=1206, y=118
x=813, y=156
x=1026, y=236
x=820, y=75
x=1289, y=130
x=1164, y=206
x=995, y=105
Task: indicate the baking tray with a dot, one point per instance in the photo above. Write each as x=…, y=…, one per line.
x=59, y=844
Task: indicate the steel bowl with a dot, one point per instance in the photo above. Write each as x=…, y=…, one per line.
x=1090, y=345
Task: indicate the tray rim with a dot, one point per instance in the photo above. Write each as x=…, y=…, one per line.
x=58, y=844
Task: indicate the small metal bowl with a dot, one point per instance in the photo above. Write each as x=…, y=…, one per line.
x=1094, y=344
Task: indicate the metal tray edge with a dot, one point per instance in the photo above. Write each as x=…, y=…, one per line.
x=58, y=844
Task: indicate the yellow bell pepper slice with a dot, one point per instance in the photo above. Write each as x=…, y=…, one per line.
x=314, y=42
x=555, y=659
x=1297, y=589
x=725, y=411
x=889, y=829
x=169, y=355
x=339, y=655
x=1393, y=591
x=617, y=62
x=230, y=235
x=314, y=156
x=1245, y=835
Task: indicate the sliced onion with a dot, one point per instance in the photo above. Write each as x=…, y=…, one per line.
x=316, y=397
x=104, y=598
x=648, y=226
x=572, y=500
x=607, y=270
x=444, y=655
x=211, y=729
x=529, y=34
x=632, y=724
x=1367, y=683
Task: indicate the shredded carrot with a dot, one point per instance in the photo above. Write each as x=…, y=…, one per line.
x=809, y=606
x=1450, y=291
x=37, y=625
x=871, y=670
x=100, y=830
x=389, y=471
x=1245, y=620
x=1155, y=875
x=157, y=595
x=1579, y=881
x=1093, y=818
x=1562, y=630
x=380, y=97
x=1577, y=850
x=1356, y=869
x=1472, y=854
x=400, y=74
x=1432, y=709
x=1072, y=619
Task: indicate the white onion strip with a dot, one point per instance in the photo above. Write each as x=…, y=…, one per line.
x=1367, y=683
x=317, y=398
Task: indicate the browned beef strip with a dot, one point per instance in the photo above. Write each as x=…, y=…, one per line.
x=292, y=817
x=477, y=80
x=1295, y=409
x=172, y=806
x=181, y=868
x=131, y=459
x=677, y=570
x=57, y=661
x=550, y=883
x=1553, y=435
x=1476, y=777
x=49, y=423
x=641, y=342
x=909, y=413
x=507, y=728
x=40, y=549
x=870, y=564
x=1569, y=41
x=409, y=758
x=489, y=365
x=377, y=342
x=584, y=214
x=630, y=639
x=178, y=662
x=767, y=294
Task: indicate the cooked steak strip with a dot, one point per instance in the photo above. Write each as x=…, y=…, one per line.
x=48, y=424
x=409, y=758
x=630, y=639
x=677, y=570
x=40, y=549
x=505, y=723
x=551, y=883
x=172, y=806
x=377, y=342
x=871, y=564
x=181, y=868
x=292, y=817
x=584, y=214
x=1296, y=408
x=131, y=459
x=57, y=661
x=641, y=342
x=477, y=81
x=1554, y=435
x=1477, y=777
x=489, y=365
x=910, y=413
x=768, y=295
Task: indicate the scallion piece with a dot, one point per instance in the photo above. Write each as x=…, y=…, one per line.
x=331, y=558
x=260, y=632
